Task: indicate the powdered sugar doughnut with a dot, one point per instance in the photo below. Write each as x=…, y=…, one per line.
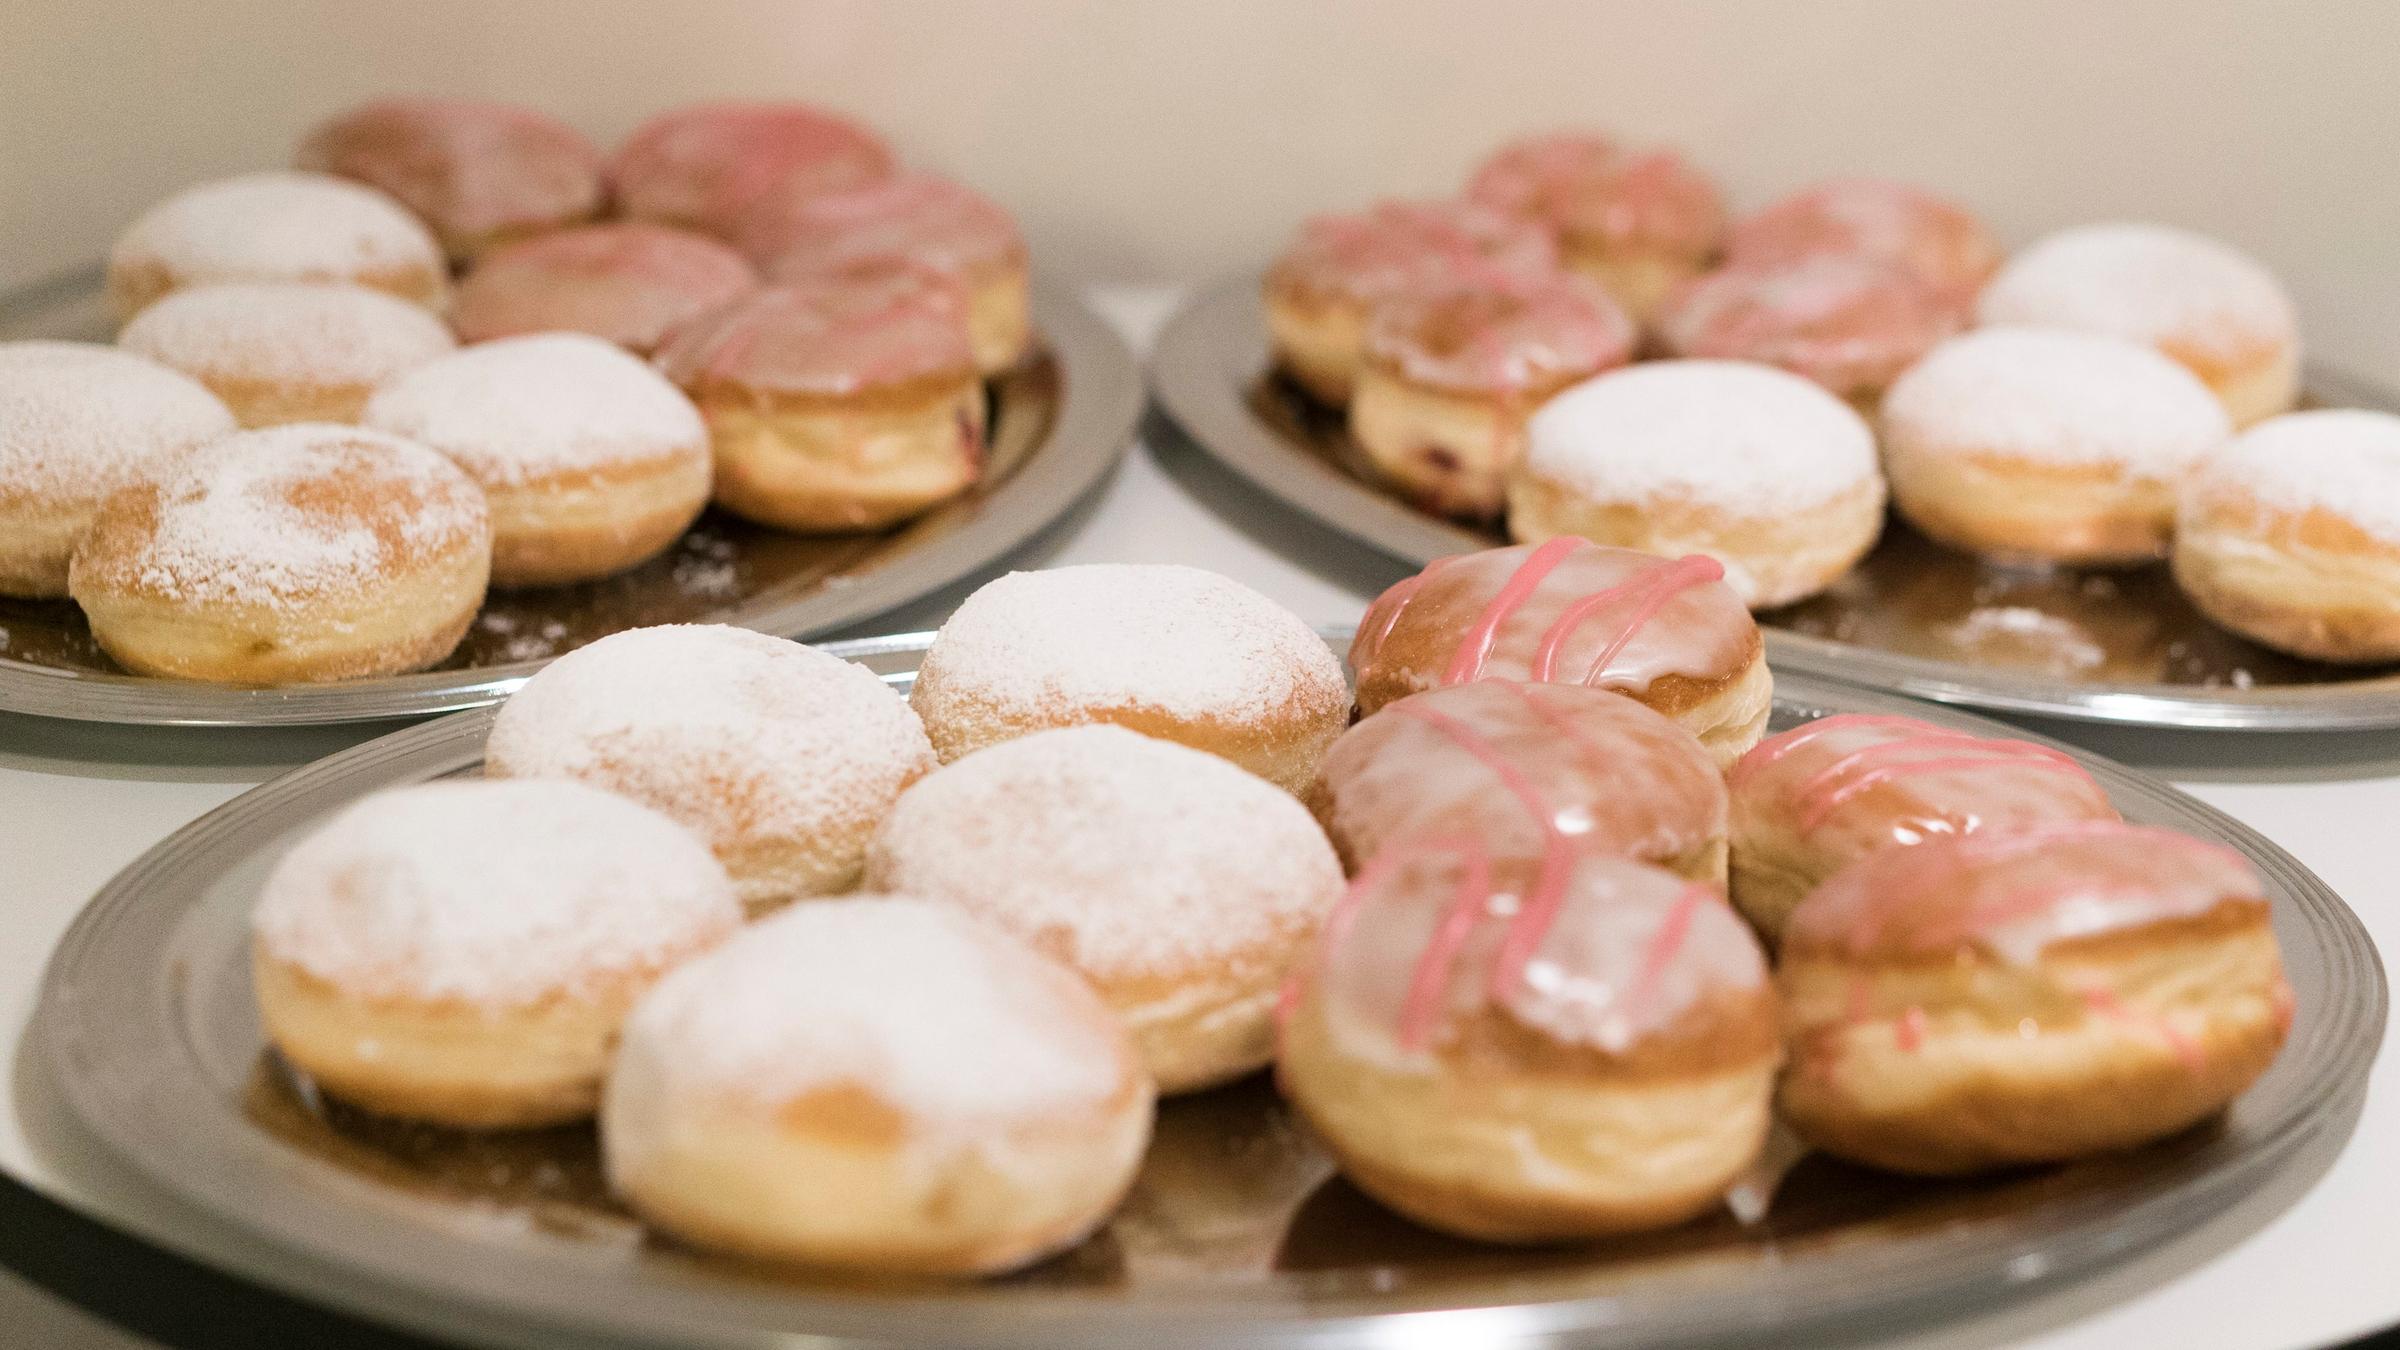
x=280, y=352
x=464, y=952
x=1451, y=370
x=626, y=281
x=1763, y=471
x=480, y=173
x=708, y=165
x=919, y=217
x=2004, y=998
x=1172, y=652
x=2290, y=535
x=591, y=460
x=77, y=422
x=782, y=758
x=1935, y=240
x=1639, y=224
x=1320, y=292
x=972, y=1104
x=1850, y=324
x=2205, y=303
x=298, y=553
x=2047, y=444
x=276, y=227
x=1182, y=887
x=1599, y=1065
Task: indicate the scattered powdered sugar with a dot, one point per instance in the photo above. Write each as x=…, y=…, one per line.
x=77, y=419
x=1121, y=854
x=947, y=1020
x=2055, y=395
x=738, y=735
x=1182, y=641
x=1739, y=434
x=2150, y=283
x=282, y=226
x=334, y=335
x=494, y=893
x=2344, y=461
x=276, y=515
x=528, y=408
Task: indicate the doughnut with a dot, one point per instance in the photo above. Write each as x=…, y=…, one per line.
x=1935, y=240
x=77, y=422
x=1173, y=652
x=708, y=165
x=1450, y=371
x=782, y=758
x=1639, y=224
x=2003, y=998
x=625, y=281
x=1320, y=292
x=1819, y=797
x=286, y=555
x=2047, y=445
x=464, y=952
x=922, y=218
x=1762, y=470
x=838, y=403
x=1849, y=324
x=1599, y=1064
x=878, y=1084
x=307, y=227
x=2206, y=304
x=2290, y=535
x=1534, y=772
x=590, y=460
x=1182, y=887
x=1667, y=634
x=280, y=352
x=479, y=173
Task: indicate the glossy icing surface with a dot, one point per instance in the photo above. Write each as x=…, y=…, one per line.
x=1367, y=255
x=1500, y=333
x=828, y=335
x=1596, y=194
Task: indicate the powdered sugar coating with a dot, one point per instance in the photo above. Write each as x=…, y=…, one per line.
x=1364, y=256
x=748, y=740
x=529, y=409
x=1736, y=434
x=470, y=167
x=1500, y=333
x=949, y=1021
x=2171, y=288
x=1176, y=640
x=78, y=419
x=1120, y=854
x=2342, y=461
x=287, y=331
x=2057, y=396
x=282, y=515
x=495, y=894
x=933, y=220
x=1850, y=324
x=277, y=227
x=1596, y=194
x=627, y=281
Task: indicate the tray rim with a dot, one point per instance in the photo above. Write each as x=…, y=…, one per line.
x=1099, y=411
x=1215, y=341
x=252, y=1235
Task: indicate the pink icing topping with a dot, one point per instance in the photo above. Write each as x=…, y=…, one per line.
x=627, y=281
x=708, y=164
x=1595, y=194
x=1936, y=240
x=1496, y=332
x=932, y=220
x=828, y=335
x=1848, y=323
x=1395, y=245
x=468, y=166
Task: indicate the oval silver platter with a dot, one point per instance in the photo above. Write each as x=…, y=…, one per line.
x=1237, y=1233
x=1059, y=424
x=2054, y=644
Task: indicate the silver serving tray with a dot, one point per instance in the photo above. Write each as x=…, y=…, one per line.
x=1208, y=371
x=1236, y=1234
x=1059, y=425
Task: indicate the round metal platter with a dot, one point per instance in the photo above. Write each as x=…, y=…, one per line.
x=1059, y=424
x=1238, y=1231
x=2122, y=647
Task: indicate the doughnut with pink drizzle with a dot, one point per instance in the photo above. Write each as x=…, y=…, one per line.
x=1815, y=799
x=1851, y=324
x=1638, y=224
x=626, y=281
x=2022, y=996
x=1664, y=632
x=479, y=173
x=1618, y=1080
x=1933, y=239
x=708, y=165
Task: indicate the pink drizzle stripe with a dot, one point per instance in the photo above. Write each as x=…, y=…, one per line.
x=1475, y=645
x=1649, y=593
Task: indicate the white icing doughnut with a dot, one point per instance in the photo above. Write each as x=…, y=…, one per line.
x=2150, y=283
x=2342, y=461
x=276, y=227
x=2059, y=397
x=283, y=352
x=524, y=409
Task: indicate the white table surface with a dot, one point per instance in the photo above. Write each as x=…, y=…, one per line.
x=2308, y=1264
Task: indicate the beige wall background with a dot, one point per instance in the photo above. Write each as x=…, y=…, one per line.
x=1157, y=140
